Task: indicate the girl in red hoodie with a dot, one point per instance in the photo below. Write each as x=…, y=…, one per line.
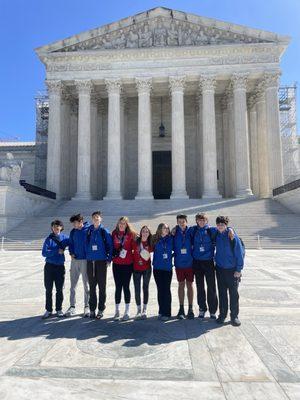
x=123, y=240
x=142, y=269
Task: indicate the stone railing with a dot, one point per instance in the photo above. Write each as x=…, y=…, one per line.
x=286, y=188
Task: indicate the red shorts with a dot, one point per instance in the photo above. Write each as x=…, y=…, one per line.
x=185, y=274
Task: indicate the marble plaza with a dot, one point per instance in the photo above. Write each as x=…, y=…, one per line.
x=83, y=359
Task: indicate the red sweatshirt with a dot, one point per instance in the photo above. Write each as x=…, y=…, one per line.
x=125, y=243
x=139, y=264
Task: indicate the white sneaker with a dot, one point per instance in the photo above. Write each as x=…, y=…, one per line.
x=47, y=314
x=70, y=312
x=125, y=317
x=117, y=316
x=86, y=312
x=60, y=314
x=144, y=315
x=138, y=315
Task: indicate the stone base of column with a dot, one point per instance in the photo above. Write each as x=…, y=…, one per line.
x=113, y=196
x=178, y=195
x=211, y=194
x=243, y=193
x=82, y=196
x=144, y=196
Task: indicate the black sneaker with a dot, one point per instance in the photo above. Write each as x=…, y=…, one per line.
x=213, y=316
x=190, y=314
x=235, y=322
x=99, y=315
x=220, y=320
x=92, y=314
x=201, y=314
x=181, y=314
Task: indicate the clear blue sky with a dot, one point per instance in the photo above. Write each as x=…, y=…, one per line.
x=27, y=24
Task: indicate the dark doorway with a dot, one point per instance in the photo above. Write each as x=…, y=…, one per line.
x=162, y=174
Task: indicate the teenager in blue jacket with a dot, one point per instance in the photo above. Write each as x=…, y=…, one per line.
x=203, y=265
x=54, y=270
x=162, y=269
x=98, y=247
x=183, y=261
x=78, y=263
x=229, y=264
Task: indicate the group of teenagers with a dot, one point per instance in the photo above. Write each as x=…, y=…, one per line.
x=201, y=251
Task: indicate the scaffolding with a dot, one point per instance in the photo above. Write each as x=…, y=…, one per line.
x=288, y=130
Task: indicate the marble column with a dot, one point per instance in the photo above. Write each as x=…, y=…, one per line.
x=209, y=142
x=114, y=140
x=231, y=142
x=54, y=137
x=262, y=144
x=73, y=146
x=226, y=145
x=65, y=145
x=254, y=163
x=271, y=81
x=144, y=86
x=84, y=88
x=177, y=84
x=95, y=168
x=243, y=187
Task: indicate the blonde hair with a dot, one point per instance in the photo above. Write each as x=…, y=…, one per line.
x=129, y=228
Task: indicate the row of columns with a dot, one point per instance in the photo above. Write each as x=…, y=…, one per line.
x=264, y=129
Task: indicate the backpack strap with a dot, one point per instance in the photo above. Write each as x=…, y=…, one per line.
x=57, y=241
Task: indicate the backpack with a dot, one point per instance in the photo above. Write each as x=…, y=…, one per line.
x=242, y=246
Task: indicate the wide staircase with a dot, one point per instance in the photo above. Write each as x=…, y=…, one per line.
x=260, y=223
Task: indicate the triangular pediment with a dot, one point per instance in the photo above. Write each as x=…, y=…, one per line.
x=162, y=27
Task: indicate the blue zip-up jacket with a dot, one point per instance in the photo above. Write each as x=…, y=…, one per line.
x=203, y=246
x=183, y=243
x=77, y=242
x=95, y=247
x=50, y=249
x=228, y=255
x=163, y=246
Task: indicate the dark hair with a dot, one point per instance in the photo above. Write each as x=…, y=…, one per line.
x=139, y=238
x=181, y=216
x=201, y=216
x=76, y=218
x=97, y=213
x=57, y=222
x=222, y=220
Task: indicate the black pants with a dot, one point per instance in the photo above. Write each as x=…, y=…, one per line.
x=227, y=282
x=54, y=274
x=206, y=269
x=122, y=275
x=97, y=271
x=137, y=277
x=163, y=282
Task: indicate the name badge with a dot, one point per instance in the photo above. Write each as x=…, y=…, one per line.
x=123, y=253
x=202, y=249
x=183, y=251
x=94, y=247
x=165, y=256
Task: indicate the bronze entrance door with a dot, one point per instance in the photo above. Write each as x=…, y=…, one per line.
x=162, y=174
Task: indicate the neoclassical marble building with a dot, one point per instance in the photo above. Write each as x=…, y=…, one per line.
x=164, y=104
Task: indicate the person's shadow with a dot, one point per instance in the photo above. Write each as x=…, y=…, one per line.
x=129, y=334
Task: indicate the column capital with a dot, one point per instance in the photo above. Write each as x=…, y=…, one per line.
x=239, y=81
x=260, y=91
x=84, y=86
x=177, y=83
x=271, y=79
x=113, y=85
x=54, y=86
x=207, y=82
x=143, y=85
x=251, y=101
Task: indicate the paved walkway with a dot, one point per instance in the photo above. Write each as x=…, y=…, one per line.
x=82, y=359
